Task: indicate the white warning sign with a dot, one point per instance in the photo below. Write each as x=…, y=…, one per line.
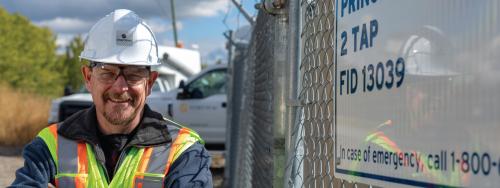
x=417, y=92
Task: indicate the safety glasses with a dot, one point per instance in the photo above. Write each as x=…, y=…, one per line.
x=108, y=74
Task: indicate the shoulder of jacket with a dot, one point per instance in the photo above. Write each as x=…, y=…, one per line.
x=48, y=136
x=175, y=128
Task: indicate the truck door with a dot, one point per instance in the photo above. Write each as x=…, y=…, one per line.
x=202, y=105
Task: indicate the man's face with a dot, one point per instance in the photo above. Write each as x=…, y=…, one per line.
x=119, y=92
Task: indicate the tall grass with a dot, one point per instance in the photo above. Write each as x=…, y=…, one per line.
x=22, y=116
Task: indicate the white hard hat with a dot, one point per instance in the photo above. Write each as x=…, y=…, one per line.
x=425, y=53
x=121, y=37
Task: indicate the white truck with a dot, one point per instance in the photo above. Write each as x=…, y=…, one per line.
x=200, y=103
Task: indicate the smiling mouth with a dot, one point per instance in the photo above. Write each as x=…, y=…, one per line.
x=118, y=98
x=119, y=101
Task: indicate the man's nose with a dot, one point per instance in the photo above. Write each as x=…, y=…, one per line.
x=121, y=83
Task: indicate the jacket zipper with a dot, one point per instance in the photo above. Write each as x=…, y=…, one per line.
x=102, y=166
x=120, y=159
x=125, y=150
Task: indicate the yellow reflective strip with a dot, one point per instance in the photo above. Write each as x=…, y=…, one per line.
x=155, y=175
x=180, y=142
x=173, y=122
x=124, y=177
x=191, y=131
x=184, y=145
x=96, y=177
x=132, y=167
x=184, y=140
x=47, y=135
x=196, y=136
x=70, y=175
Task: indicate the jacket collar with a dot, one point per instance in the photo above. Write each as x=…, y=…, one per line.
x=151, y=131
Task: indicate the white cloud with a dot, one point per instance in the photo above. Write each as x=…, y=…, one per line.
x=195, y=46
x=91, y=10
x=207, y=8
x=66, y=25
x=160, y=26
x=207, y=46
x=212, y=50
x=165, y=41
x=219, y=54
x=77, y=16
x=64, y=39
x=71, y=17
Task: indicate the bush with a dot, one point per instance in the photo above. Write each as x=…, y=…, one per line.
x=22, y=116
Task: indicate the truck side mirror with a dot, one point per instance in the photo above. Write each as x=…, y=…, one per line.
x=182, y=85
x=182, y=92
x=68, y=90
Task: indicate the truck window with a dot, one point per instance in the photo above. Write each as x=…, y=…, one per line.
x=211, y=83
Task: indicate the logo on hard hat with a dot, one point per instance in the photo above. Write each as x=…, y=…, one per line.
x=122, y=40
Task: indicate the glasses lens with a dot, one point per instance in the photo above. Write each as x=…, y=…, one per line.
x=135, y=75
x=106, y=74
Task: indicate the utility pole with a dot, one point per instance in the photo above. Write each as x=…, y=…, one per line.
x=174, y=27
x=229, y=45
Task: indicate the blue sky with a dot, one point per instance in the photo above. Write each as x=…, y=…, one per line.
x=200, y=22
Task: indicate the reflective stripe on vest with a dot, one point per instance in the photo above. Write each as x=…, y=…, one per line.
x=141, y=167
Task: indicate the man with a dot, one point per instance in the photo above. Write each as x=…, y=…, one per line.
x=118, y=142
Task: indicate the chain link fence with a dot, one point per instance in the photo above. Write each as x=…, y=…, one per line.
x=255, y=96
x=281, y=99
x=315, y=130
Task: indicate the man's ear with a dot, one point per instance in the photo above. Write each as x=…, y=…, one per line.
x=152, y=78
x=87, y=74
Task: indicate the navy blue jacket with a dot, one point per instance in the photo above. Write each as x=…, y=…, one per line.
x=191, y=169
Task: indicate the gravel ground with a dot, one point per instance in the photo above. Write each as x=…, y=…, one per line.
x=10, y=161
x=9, y=166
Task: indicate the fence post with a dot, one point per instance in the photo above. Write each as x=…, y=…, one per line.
x=292, y=87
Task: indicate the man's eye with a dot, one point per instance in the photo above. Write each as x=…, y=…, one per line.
x=134, y=77
x=107, y=75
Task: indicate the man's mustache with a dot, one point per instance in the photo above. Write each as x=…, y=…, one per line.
x=118, y=96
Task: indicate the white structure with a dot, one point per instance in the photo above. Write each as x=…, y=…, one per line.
x=177, y=64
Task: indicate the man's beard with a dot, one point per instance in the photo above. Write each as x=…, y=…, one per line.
x=119, y=119
x=116, y=117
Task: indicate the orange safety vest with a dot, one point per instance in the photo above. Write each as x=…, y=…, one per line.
x=140, y=167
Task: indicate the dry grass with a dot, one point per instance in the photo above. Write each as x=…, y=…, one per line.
x=22, y=116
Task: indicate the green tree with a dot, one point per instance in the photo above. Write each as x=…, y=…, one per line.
x=72, y=64
x=28, y=59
